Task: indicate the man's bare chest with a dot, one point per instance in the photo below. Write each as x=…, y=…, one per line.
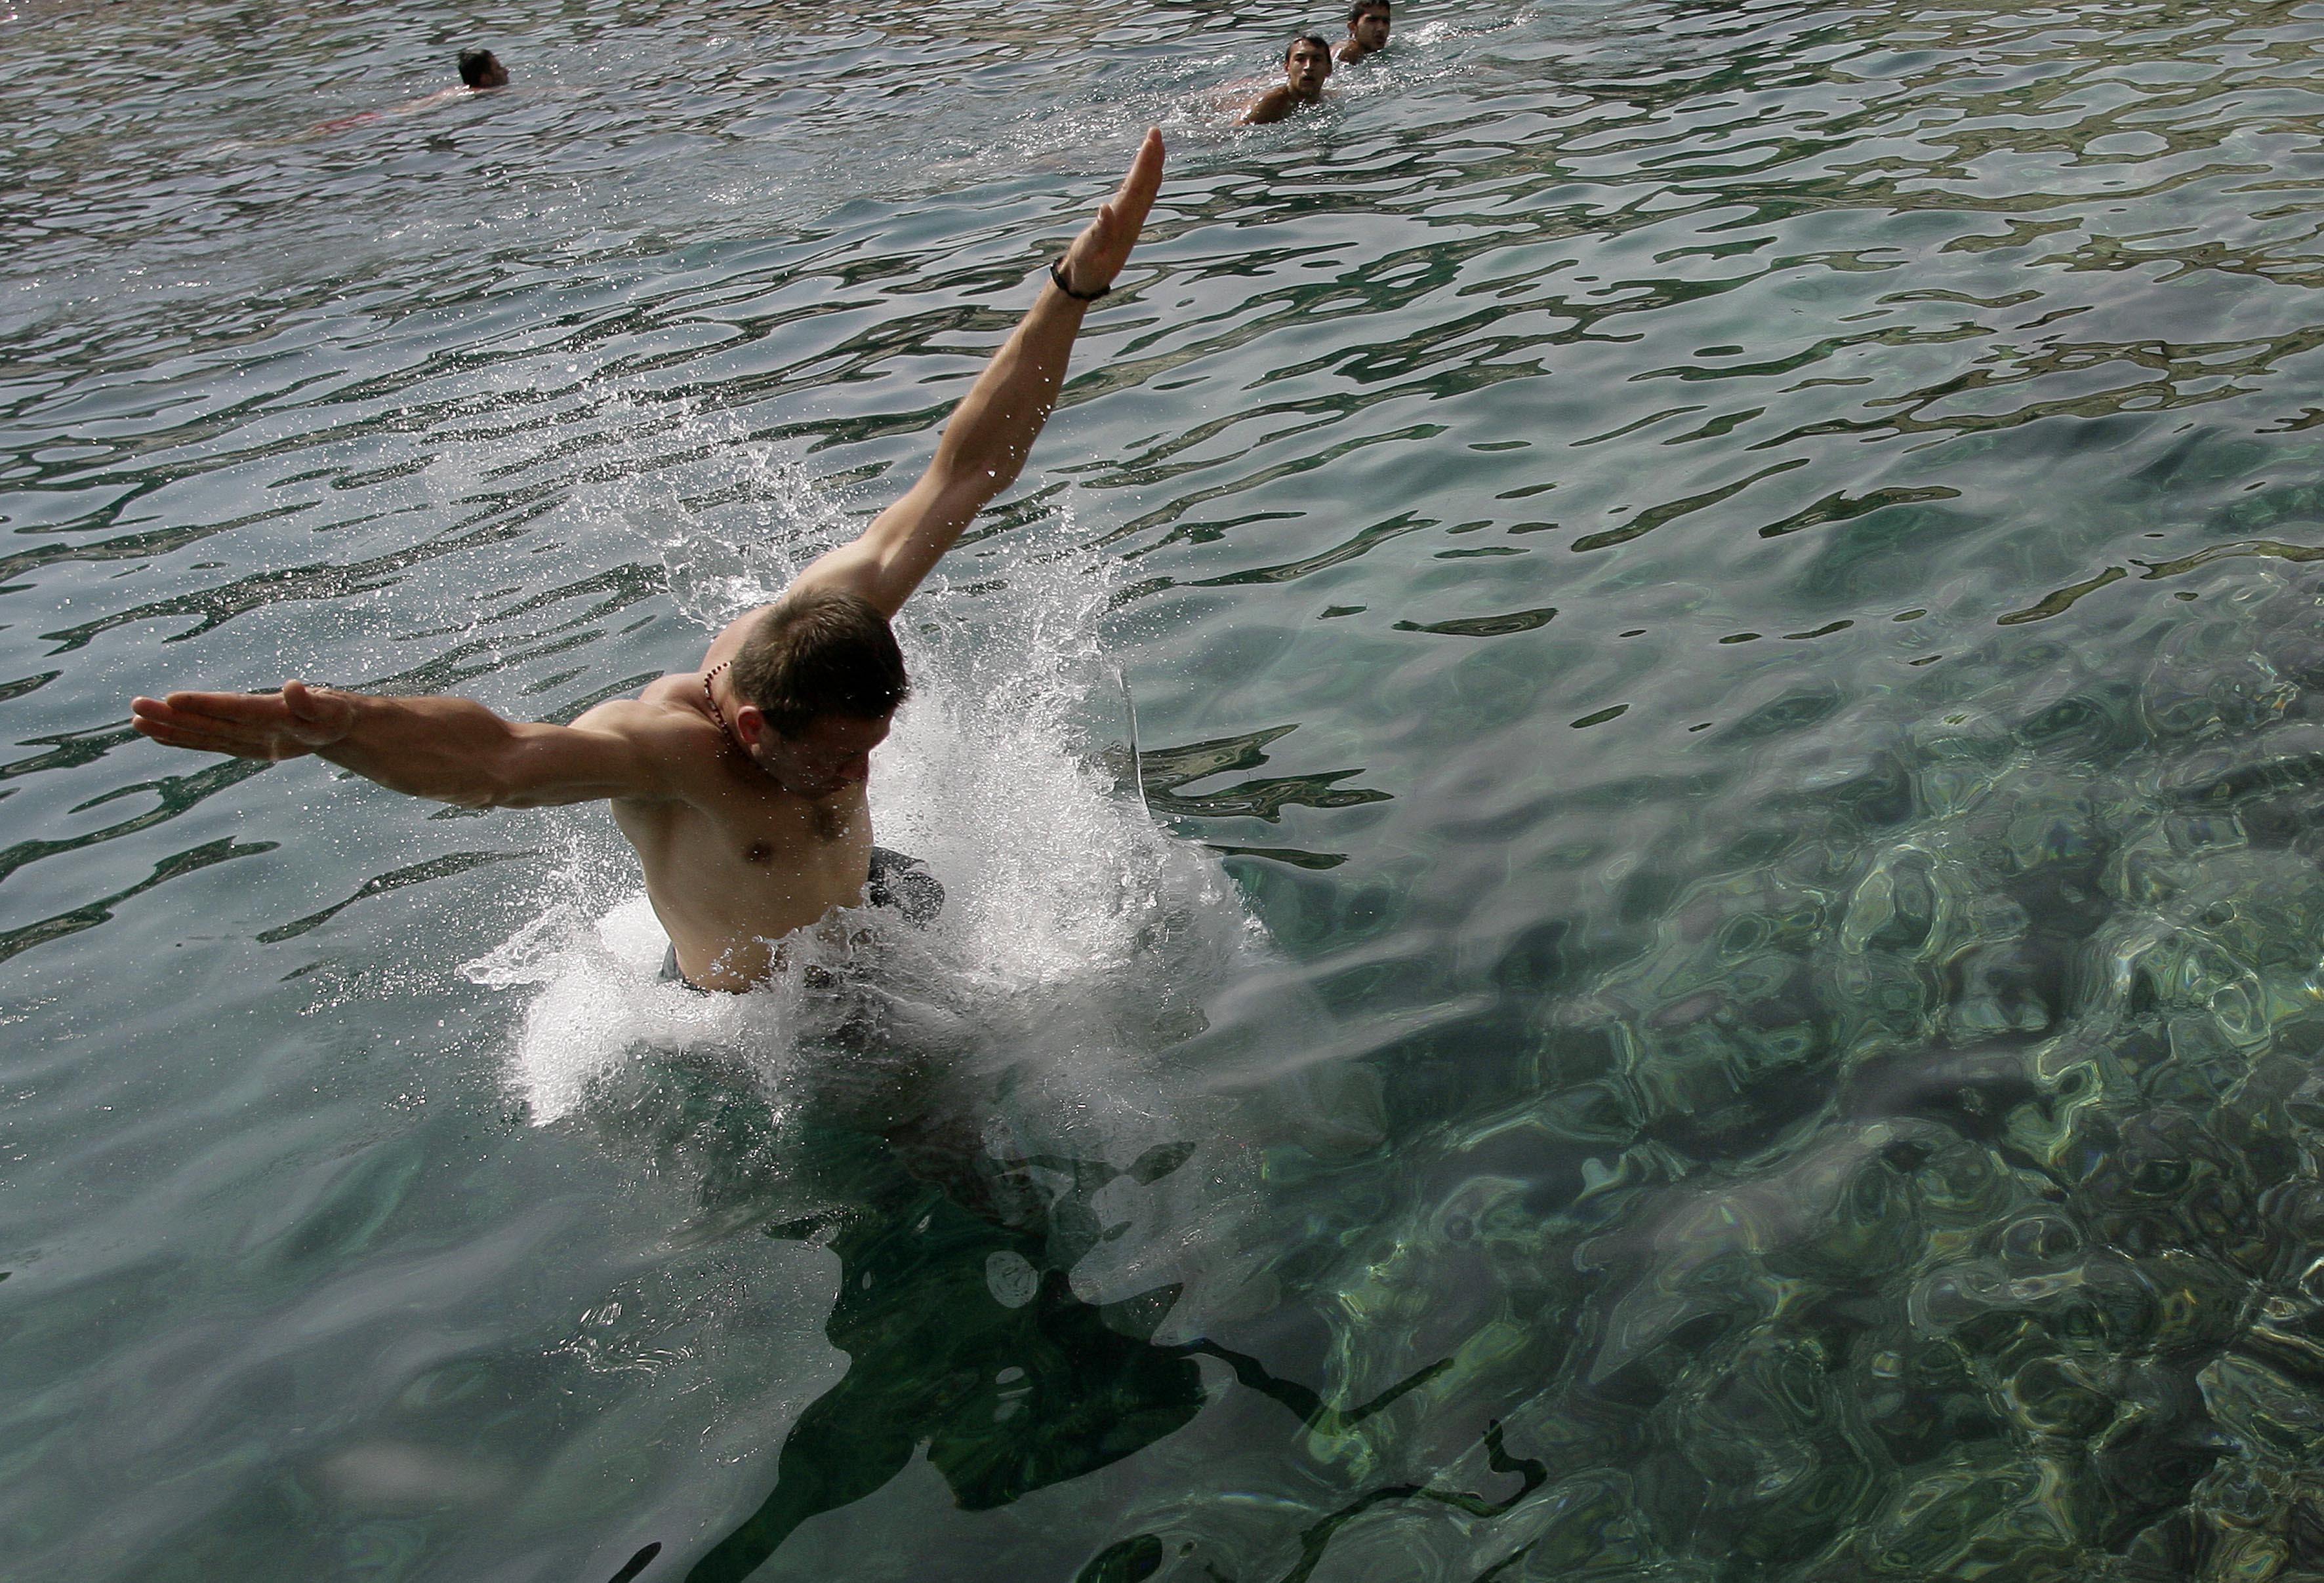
x=751, y=833
x=823, y=834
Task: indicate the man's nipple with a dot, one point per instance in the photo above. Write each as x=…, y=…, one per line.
x=758, y=851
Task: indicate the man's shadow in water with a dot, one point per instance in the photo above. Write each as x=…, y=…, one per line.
x=964, y=1335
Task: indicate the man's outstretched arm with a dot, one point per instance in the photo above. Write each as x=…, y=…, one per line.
x=993, y=428
x=446, y=749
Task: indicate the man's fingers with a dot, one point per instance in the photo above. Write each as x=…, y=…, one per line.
x=1119, y=219
x=172, y=712
x=245, y=724
x=1105, y=245
x=184, y=722
x=171, y=735
x=251, y=707
x=251, y=725
x=1144, y=181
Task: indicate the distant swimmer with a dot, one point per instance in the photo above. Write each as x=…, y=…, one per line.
x=481, y=72
x=1367, y=25
x=741, y=783
x=1307, y=65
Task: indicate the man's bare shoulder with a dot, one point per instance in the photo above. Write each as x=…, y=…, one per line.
x=1273, y=104
x=668, y=722
x=668, y=706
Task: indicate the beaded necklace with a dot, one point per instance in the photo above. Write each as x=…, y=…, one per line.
x=717, y=713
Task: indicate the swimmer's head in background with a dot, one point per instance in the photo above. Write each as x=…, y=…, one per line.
x=818, y=677
x=1306, y=62
x=481, y=69
x=1367, y=25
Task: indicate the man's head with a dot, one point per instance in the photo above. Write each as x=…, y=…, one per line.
x=1368, y=22
x=481, y=69
x=818, y=679
x=1306, y=63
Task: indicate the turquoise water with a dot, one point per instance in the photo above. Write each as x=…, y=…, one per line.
x=1710, y=967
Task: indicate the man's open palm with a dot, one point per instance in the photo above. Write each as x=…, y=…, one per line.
x=1104, y=246
x=249, y=725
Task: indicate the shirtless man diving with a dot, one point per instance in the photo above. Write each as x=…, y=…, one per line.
x=741, y=783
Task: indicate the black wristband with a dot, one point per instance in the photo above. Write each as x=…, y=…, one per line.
x=1058, y=279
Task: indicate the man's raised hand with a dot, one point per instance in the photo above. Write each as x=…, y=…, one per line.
x=250, y=725
x=989, y=434
x=1104, y=246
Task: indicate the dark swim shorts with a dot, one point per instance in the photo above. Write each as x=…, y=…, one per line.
x=895, y=880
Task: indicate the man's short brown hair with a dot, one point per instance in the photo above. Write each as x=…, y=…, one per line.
x=820, y=652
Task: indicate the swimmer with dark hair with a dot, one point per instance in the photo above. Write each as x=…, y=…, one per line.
x=1306, y=66
x=481, y=70
x=1367, y=25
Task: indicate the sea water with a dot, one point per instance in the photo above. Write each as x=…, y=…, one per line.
x=1629, y=801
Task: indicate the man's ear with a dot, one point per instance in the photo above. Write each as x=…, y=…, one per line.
x=751, y=725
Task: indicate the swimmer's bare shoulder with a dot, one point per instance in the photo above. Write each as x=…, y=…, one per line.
x=1272, y=105
x=365, y=117
x=666, y=725
x=669, y=721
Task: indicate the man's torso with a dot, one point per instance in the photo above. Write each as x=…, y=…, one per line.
x=734, y=862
